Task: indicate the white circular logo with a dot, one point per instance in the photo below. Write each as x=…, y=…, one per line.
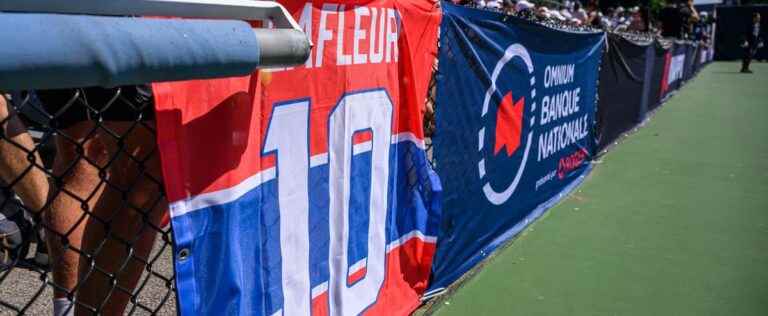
x=497, y=197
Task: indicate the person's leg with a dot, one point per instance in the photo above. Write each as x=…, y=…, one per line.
x=125, y=220
x=16, y=147
x=746, y=60
x=124, y=203
x=106, y=175
x=76, y=190
x=21, y=169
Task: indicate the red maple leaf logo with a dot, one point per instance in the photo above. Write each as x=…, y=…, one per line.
x=509, y=124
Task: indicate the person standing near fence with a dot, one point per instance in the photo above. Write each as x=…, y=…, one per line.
x=677, y=19
x=107, y=196
x=16, y=152
x=21, y=169
x=752, y=42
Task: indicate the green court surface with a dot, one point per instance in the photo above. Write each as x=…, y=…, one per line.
x=672, y=221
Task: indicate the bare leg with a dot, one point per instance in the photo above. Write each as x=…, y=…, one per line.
x=124, y=210
x=15, y=146
x=124, y=246
x=76, y=192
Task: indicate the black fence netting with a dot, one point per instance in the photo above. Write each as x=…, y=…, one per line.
x=622, y=81
x=82, y=204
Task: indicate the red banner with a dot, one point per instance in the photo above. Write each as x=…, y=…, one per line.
x=243, y=210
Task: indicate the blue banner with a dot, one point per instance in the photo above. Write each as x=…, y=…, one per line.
x=515, y=116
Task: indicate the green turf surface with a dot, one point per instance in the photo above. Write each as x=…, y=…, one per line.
x=673, y=221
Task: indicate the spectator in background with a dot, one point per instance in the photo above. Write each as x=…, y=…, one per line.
x=636, y=20
x=697, y=31
x=493, y=4
x=593, y=6
x=706, y=29
x=752, y=42
x=107, y=164
x=617, y=18
x=22, y=170
x=557, y=16
x=543, y=12
x=523, y=6
x=509, y=7
x=566, y=14
x=16, y=147
x=575, y=22
x=600, y=21
x=607, y=17
x=594, y=16
x=678, y=18
x=579, y=13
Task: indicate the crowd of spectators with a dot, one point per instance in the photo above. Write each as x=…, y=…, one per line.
x=569, y=12
x=678, y=19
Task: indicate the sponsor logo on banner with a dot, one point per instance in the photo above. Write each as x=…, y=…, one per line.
x=517, y=128
x=563, y=122
x=676, y=67
x=509, y=121
x=510, y=116
x=673, y=70
x=571, y=162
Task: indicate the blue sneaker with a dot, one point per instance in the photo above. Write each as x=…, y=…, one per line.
x=11, y=242
x=14, y=233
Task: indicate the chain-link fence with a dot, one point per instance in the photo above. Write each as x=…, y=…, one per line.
x=80, y=173
x=80, y=177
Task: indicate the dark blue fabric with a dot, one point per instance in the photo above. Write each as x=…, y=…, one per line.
x=472, y=44
x=648, y=97
x=690, y=58
x=681, y=49
x=621, y=89
x=46, y=51
x=657, y=93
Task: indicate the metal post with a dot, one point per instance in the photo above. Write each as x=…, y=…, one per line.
x=284, y=45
